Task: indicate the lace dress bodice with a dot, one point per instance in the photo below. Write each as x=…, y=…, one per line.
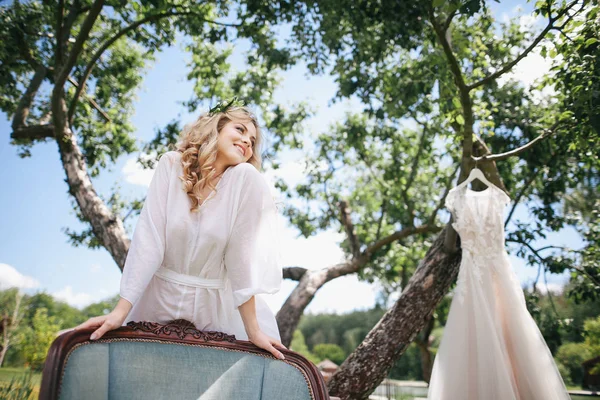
x=479, y=221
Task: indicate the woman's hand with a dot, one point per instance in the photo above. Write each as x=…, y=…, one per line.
x=266, y=342
x=107, y=322
x=255, y=335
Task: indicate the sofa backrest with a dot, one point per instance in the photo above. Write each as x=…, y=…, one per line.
x=173, y=361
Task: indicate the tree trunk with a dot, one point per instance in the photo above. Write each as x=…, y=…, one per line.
x=5, y=339
x=423, y=344
x=3, y=352
x=107, y=227
x=368, y=365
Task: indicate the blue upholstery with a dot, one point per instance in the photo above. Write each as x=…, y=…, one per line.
x=153, y=370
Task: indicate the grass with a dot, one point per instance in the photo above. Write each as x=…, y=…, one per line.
x=7, y=374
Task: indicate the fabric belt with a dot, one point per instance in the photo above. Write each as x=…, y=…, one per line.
x=189, y=280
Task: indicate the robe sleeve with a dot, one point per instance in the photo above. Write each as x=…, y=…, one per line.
x=252, y=258
x=147, y=248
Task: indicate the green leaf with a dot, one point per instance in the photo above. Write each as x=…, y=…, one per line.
x=590, y=41
x=438, y=3
x=460, y=120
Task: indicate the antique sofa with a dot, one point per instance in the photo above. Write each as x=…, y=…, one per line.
x=173, y=361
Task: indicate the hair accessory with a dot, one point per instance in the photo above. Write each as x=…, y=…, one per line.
x=224, y=105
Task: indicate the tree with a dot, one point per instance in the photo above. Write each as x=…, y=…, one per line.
x=428, y=76
x=329, y=351
x=427, y=73
x=299, y=346
x=39, y=337
x=11, y=314
x=71, y=69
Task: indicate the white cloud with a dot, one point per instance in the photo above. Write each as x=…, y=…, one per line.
x=78, y=300
x=10, y=277
x=136, y=174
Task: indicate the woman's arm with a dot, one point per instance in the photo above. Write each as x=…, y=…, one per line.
x=146, y=251
x=255, y=335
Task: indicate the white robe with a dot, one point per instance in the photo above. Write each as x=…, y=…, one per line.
x=202, y=266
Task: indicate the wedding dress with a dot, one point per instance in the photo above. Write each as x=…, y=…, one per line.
x=491, y=348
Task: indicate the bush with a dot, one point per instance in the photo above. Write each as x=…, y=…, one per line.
x=569, y=358
x=38, y=338
x=330, y=351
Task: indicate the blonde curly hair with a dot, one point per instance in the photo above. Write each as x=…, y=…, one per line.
x=198, y=147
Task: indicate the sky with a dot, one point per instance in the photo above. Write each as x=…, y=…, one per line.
x=35, y=207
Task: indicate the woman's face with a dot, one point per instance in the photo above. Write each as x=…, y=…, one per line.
x=235, y=143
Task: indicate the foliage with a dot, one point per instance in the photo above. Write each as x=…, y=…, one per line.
x=66, y=316
x=592, y=339
x=330, y=351
x=299, y=346
x=38, y=338
x=570, y=356
x=408, y=367
x=345, y=330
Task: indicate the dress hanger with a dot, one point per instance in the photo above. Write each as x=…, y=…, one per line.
x=475, y=173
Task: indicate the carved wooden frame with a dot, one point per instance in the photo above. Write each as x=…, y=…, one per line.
x=178, y=331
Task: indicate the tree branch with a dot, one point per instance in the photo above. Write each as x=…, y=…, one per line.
x=74, y=11
x=442, y=200
x=60, y=51
x=517, y=151
x=90, y=65
x=347, y=223
x=380, y=222
x=20, y=118
x=524, y=54
x=92, y=102
x=64, y=70
x=464, y=96
x=294, y=273
x=521, y=193
x=398, y=235
x=449, y=19
x=33, y=133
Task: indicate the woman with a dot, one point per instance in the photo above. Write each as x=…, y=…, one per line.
x=205, y=243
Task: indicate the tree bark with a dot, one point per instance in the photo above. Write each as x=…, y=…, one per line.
x=423, y=343
x=368, y=365
x=5, y=338
x=3, y=352
x=106, y=226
